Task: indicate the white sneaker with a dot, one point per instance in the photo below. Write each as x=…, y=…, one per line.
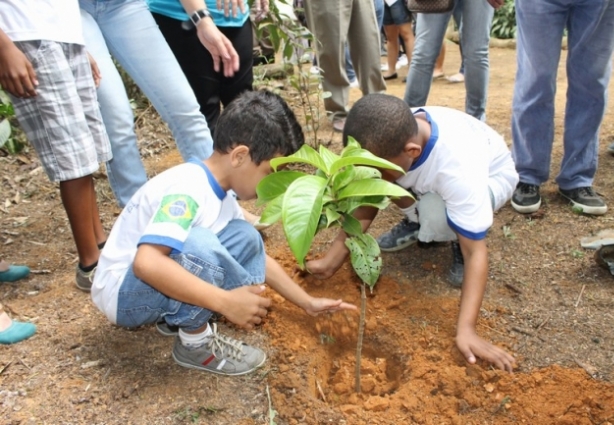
x=314, y=70
x=401, y=62
x=384, y=67
x=354, y=84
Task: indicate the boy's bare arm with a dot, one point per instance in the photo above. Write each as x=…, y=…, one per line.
x=475, y=255
x=325, y=267
x=279, y=280
x=242, y=306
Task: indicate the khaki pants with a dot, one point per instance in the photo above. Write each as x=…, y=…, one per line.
x=333, y=23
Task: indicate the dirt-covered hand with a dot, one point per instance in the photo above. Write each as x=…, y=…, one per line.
x=245, y=306
x=219, y=46
x=472, y=346
x=17, y=75
x=324, y=305
x=322, y=268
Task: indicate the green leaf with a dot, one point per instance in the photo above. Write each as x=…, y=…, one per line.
x=363, y=157
x=350, y=205
x=5, y=131
x=305, y=155
x=372, y=187
x=275, y=184
x=331, y=215
x=301, y=210
x=351, y=225
x=365, y=258
x=327, y=156
x=343, y=178
x=272, y=211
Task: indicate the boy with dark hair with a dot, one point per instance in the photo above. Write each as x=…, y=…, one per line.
x=461, y=171
x=181, y=250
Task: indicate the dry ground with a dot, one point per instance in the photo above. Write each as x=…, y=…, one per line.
x=547, y=302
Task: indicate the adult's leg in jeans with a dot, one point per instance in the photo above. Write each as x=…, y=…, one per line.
x=589, y=68
x=126, y=171
x=135, y=41
x=349, y=67
x=379, y=13
x=242, y=39
x=475, y=35
x=329, y=22
x=363, y=39
x=539, y=35
x=430, y=30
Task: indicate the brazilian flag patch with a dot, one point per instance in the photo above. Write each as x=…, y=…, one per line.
x=178, y=209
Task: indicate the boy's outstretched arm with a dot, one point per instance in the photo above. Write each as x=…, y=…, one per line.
x=475, y=255
x=242, y=306
x=279, y=280
x=325, y=267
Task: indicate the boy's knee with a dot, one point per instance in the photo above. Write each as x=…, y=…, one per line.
x=251, y=240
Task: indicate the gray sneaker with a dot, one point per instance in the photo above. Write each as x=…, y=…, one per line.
x=222, y=355
x=586, y=200
x=400, y=236
x=84, y=279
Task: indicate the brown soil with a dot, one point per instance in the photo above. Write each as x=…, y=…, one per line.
x=547, y=302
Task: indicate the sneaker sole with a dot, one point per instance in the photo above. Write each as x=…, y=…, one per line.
x=526, y=209
x=399, y=247
x=218, y=372
x=88, y=289
x=586, y=209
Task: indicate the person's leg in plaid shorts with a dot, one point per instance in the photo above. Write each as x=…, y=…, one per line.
x=55, y=103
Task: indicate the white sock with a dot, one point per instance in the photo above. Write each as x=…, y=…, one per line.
x=195, y=340
x=411, y=212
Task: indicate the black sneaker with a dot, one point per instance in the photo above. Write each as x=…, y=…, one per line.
x=400, y=236
x=526, y=198
x=586, y=200
x=457, y=271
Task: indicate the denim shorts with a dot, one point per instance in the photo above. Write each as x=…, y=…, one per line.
x=397, y=14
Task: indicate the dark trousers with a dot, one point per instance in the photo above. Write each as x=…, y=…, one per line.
x=211, y=88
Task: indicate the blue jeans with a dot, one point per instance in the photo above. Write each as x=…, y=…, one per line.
x=540, y=26
x=126, y=29
x=379, y=15
x=233, y=258
x=475, y=36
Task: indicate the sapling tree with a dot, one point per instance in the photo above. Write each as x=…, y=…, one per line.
x=309, y=202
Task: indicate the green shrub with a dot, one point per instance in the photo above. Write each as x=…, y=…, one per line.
x=504, y=22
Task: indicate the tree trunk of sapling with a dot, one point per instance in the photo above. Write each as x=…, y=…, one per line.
x=361, y=331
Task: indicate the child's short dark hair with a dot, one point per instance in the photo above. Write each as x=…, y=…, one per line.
x=262, y=121
x=381, y=123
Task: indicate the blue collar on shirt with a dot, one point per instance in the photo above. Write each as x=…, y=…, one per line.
x=217, y=189
x=430, y=144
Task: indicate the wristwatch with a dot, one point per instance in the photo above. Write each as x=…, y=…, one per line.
x=195, y=18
